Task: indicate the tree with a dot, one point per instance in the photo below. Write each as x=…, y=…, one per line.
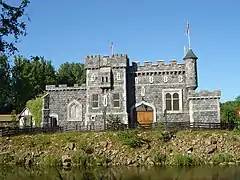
x=11, y=24
x=71, y=73
x=30, y=78
x=5, y=86
x=35, y=107
x=229, y=110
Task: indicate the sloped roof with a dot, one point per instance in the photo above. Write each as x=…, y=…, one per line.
x=190, y=55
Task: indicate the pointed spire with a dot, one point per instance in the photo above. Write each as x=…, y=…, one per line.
x=190, y=55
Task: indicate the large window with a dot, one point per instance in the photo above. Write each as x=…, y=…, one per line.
x=74, y=111
x=172, y=101
x=168, y=102
x=95, y=100
x=116, y=100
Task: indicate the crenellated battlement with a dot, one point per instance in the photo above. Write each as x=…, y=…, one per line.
x=159, y=65
x=97, y=61
x=204, y=94
x=104, y=56
x=62, y=87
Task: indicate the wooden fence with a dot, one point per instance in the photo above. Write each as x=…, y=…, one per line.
x=121, y=127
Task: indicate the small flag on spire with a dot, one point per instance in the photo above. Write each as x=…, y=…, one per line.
x=187, y=29
x=111, y=47
x=188, y=35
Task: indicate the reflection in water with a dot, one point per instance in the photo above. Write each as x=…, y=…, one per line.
x=121, y=173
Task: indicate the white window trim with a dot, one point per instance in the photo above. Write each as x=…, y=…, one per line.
x=180, y=78
x=93, y=77
x=91, y=100
x=165, y=79
x=68, y=111
x=105, y=100
x=143, y=91
x=136, y=80
x=117, y=100
x=172, y=91
x=118, y=76
x=151, y=79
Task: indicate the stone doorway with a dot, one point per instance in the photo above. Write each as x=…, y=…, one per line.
x=144, y=115
x=53, y=122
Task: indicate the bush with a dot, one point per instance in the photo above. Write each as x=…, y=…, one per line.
x=160, y=159
x=50, y=161
x=184, y=160
x=221, y=158
x=130, y=138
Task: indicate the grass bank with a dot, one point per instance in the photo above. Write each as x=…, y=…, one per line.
x=131, y=148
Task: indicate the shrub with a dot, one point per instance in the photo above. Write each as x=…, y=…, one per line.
x=130, y=138
x=184, y=160
x=220, y=158
x=160, y=159
x=50, y=161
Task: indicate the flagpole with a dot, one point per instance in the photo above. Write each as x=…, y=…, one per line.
x=188, y=35
x=189, y=42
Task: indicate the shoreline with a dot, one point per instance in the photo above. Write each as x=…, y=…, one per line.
x=123, y=148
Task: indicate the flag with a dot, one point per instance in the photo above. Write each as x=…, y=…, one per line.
x=111, y=48
x=187, y=29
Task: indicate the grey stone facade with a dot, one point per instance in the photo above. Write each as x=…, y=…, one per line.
x=114, y=87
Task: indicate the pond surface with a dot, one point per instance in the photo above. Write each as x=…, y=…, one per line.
x=199, y=173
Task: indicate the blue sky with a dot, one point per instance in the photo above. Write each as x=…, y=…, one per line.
x=145, y=30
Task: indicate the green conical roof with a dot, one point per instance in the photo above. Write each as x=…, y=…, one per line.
x=190, y=55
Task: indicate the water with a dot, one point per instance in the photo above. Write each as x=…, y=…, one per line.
x=216, y=173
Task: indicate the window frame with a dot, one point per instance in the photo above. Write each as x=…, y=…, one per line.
x=118, y=76
x=94, y=101
x=180, y=100
x=77, y=106
x=116, y=100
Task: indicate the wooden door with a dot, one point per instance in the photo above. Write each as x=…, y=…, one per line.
x=145, y=118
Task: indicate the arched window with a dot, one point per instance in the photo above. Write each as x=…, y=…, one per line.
x=168, y=99
x=175, y=102
x=74, y=111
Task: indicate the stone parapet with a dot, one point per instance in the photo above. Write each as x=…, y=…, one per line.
x=62, y=87
x=159, y=65
x=204, y=94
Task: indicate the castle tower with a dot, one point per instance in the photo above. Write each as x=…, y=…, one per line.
x=191, y=70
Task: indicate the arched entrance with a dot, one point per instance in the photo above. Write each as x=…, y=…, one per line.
x=53, y=120
x=143, y=113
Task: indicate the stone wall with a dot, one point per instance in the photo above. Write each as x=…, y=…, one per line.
x=204, y=106
x=59, y=99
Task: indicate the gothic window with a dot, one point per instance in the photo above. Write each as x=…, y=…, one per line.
x=175, y=102
x=102, y=79
x=180, y=78
x=168, y=99
x=136, y=80
x=93, y=77
x=151, y=79
x=143, y=91
x=106, y=79
x=165, y=78
x=172, y=101
x=118, y=76
x=116, y=100
x=95, y=100
x=105, y=100
x=74, y=111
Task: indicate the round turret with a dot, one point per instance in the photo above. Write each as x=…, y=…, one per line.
x=191, y=70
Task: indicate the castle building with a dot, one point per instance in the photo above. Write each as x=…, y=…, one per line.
x=134, y=93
